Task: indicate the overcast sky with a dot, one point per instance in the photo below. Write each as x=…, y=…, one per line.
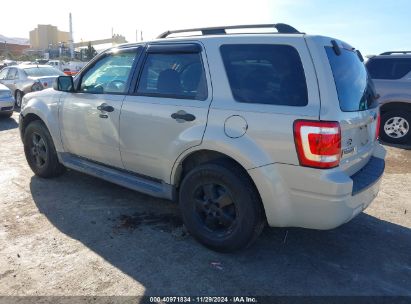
x=372, y=26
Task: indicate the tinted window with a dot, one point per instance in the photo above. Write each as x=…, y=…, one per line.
x=109, y=74
x=42, y=71
x=355, y=89
x=174, y=76
x=266, y=74
x=384, y=68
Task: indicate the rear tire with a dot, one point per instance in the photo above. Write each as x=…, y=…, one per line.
x=221, y=207
x=396, y=127
x=40, y=152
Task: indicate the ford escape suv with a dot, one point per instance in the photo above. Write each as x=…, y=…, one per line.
x=240, y=129
x=391, y=74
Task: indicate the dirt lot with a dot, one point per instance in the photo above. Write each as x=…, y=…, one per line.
x=78, y=235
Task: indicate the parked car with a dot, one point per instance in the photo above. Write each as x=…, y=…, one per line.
x=391, y=74
x=6, y=101
x=241, y=129
x=22, y=79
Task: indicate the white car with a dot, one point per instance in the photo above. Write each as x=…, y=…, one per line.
x=6, y=101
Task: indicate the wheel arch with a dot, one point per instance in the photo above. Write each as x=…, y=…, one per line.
x=201, y=156
x=395, y=106
x=40, y=111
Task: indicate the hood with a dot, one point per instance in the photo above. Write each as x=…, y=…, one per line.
x=3, y=88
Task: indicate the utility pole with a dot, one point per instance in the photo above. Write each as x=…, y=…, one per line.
x=71, y=42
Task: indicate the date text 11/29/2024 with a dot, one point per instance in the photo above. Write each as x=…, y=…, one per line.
x=203, y=299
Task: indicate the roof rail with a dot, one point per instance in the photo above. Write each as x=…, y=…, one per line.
x=396, y=52
x=221, y=30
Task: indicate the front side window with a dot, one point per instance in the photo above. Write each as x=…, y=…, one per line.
x=385, y=68
x=354, y=87
x=173, y=75
x=110, y=74
x=265, y=74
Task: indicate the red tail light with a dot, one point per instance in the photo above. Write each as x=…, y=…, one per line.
x=378, y=125
x=318, y=143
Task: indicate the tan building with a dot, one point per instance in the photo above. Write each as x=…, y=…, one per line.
x=46, y=36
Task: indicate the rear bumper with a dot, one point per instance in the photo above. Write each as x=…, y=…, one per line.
x=295, y=196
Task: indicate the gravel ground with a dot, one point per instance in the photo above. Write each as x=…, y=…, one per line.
x=78, y=235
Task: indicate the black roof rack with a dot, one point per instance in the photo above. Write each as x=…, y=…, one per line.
x=396, y=52
x=221, y=30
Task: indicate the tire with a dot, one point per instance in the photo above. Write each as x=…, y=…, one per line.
x=40, y=152
x=396, y=127
x=222, y=228
x=19, y=98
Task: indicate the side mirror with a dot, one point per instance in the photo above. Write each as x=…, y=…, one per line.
x=64, y=84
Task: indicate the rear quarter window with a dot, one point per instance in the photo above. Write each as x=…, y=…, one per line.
x=389, y=68
x=265, y=74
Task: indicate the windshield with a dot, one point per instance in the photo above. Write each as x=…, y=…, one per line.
x=42, y=71
x=354, y=87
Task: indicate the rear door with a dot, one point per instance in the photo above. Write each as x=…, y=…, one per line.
x=349, y=97
x=168, y=112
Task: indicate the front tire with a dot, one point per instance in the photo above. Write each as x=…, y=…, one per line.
x=396, y=127
x=40, y=152
x=221, y=207
x=19, y=98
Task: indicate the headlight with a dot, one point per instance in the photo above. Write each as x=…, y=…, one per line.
x=24, y=102
x=36, y=87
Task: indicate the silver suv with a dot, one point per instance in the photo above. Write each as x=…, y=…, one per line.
x=391, y=74
x=240, y=129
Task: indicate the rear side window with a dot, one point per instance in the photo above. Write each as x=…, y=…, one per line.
x=355, y=89
x=265, y=74
x=384, y=68
x=173, y=75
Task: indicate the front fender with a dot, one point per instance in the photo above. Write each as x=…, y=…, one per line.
x=45, y=105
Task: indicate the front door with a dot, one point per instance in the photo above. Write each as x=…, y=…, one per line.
x=90, y=117
x=168, y=112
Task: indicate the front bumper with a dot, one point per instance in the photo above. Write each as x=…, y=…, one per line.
x=6, y=105
x=295, y=196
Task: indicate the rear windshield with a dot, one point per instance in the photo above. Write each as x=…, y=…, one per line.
x=265, y=74
x=354, y=87
x=42, y=71
x=392, y=68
